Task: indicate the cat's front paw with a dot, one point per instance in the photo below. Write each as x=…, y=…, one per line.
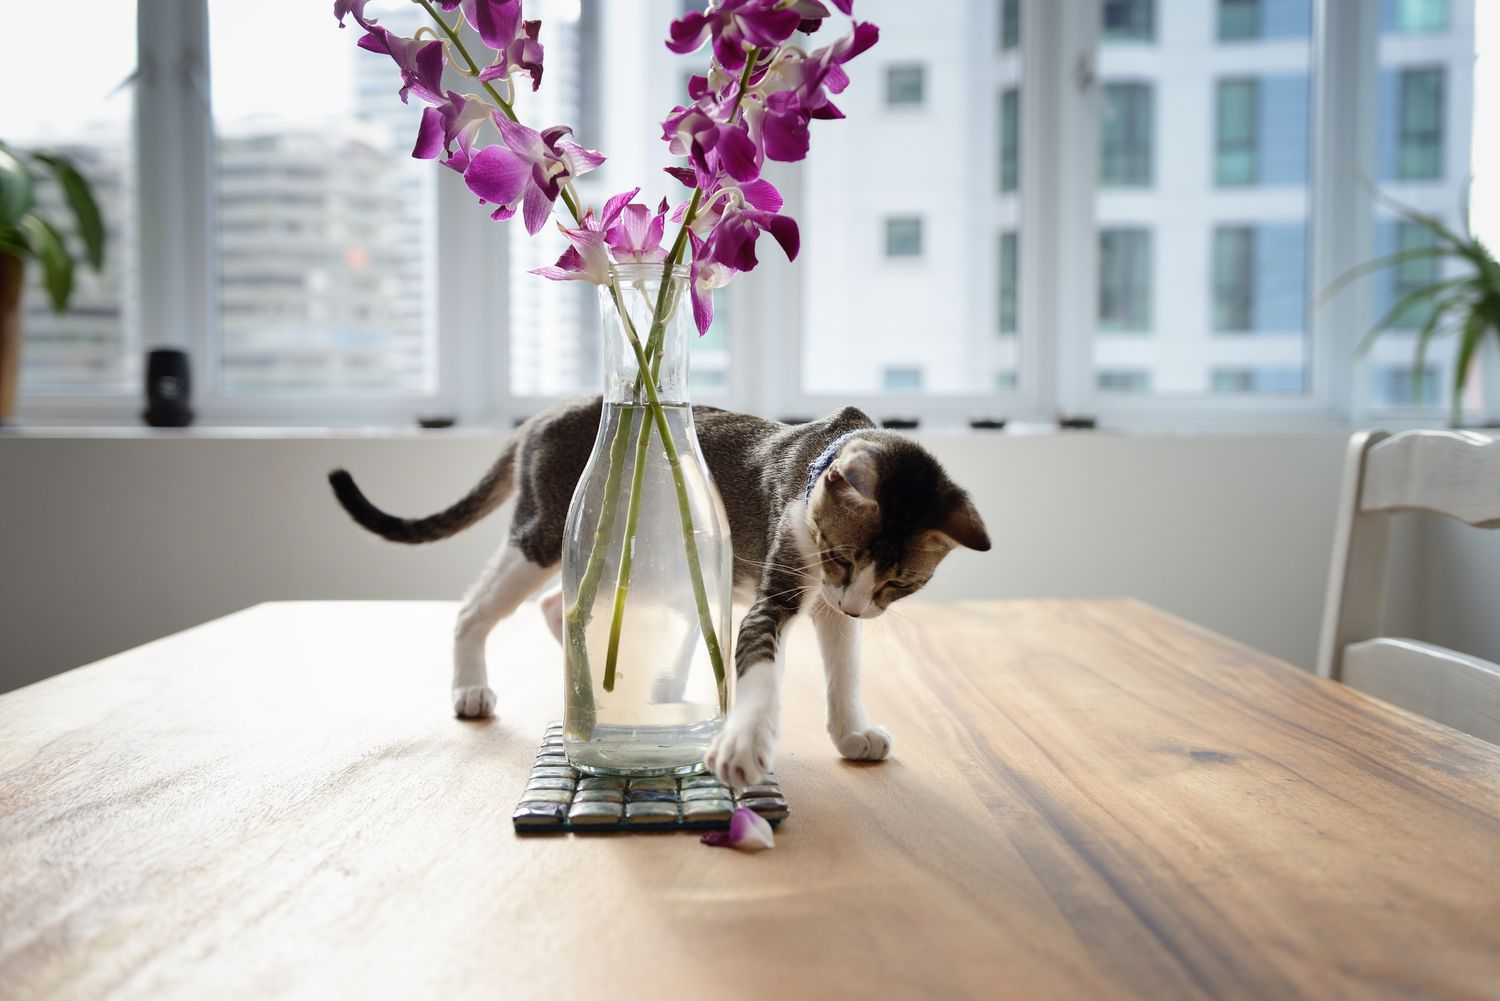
x=473, y=702
x=743, y=751
x=873, y=744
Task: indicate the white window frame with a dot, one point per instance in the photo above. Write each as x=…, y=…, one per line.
x=1059, y=101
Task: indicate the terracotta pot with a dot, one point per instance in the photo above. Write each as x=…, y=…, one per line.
x=11, y=274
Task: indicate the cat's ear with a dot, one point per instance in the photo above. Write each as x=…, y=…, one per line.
x=853, y=475
x=963, y=525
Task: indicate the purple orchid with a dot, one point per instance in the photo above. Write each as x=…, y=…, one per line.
x=587, y=258
x=635, y=237
x=522, y=54
x=748, y=831
x=736, y=26
x=421, y=63
x=455, y=121
x=356, y=8
x=529, y=169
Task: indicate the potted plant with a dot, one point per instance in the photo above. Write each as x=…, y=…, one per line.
x=1466, y=304
x=27, y=233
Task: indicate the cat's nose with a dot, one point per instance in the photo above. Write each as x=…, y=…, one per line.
x=852, y=606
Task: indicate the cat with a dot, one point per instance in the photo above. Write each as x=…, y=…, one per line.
x=836, y=517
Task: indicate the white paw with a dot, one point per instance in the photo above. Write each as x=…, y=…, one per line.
x=473, y=702
x=873, y=744
x=743, y=751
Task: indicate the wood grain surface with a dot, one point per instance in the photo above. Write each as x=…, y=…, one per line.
x=1087, y=800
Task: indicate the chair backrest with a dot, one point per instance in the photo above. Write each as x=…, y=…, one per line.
x=1452, y=473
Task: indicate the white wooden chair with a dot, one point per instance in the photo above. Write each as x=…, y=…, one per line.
x=1452, y=473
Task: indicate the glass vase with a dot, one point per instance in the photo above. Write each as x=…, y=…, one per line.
x=647, y=564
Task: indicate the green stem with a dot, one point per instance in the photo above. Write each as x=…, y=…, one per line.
x=651, y=360
x=684, y=510
x=505, y=106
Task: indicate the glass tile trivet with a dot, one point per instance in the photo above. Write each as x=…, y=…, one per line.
x=558, y=798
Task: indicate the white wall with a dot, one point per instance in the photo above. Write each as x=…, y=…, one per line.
x=107, y=542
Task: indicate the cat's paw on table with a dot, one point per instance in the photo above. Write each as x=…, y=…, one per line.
x=742, y=752
x=473, y=702
x=872, y=744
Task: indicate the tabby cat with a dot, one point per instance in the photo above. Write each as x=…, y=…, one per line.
x=836, y=517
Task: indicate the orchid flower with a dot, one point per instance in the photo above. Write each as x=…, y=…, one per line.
x=587, y=258
x=736, y=26
x=421, y=63
x=522, y=54
x=456, y=120
x=748, y=831
x=529, y=169
x=635, y=237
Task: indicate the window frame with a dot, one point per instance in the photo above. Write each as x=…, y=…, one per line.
x=1057, y=105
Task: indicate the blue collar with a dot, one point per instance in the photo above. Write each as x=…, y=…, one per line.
x=822, y=462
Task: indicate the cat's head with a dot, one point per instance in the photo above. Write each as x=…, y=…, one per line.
x=882, y=516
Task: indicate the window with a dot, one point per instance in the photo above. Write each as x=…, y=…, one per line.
x=323, y=243
x=1410, y=17
x=903, y=85
x=1123, y=381
x=1125, y=279
x=1396, y=387
x=1243, y=20
x=904, y=379
x=1234, y=278
x=1257, y=381
x=1006, y=286
x=1129, y=20
x=1393, y=237
x=1419, y=125
x=903, y=237
x=1010, y=139
x=1238, y=104
x=1010, y=24
x=329, y=299
x=83, y=115
x=1239, y=19
x=1125, y=135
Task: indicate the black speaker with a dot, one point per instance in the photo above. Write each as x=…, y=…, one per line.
x=168, y=389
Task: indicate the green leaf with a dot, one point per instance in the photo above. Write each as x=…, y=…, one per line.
x=1388, y=261
x=1406, y=302
x=15, y=189
x=13, y=242
x=57, y=266
x=81, y=200
x=1472, y=335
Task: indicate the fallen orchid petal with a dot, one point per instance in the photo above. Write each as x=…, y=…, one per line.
x=748, y=831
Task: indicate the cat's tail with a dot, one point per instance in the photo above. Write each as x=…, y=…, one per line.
x=487, y=495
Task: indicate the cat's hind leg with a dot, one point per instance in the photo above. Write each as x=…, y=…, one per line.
x=848, y=727
x=509, y=578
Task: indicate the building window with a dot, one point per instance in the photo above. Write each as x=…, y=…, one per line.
x=1234, y=278
x=903, y=85
x=1007, y=283
x=1115, y=380
x=1010, y=24
x=1408, y=276
x=902, y=379
x=1395, y=386
x=1010, y=139
x=1129, y=20
x=1419, y=150
x=1260, y=381
x=1125, y=279
x=903, y=237
x=1125, y=136
x=1235, y=159
x=1414, y=16
x=1238, y=20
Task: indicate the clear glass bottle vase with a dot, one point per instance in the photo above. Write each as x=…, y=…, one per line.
x=647, y=565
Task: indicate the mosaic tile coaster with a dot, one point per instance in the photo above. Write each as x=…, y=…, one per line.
x=558, y=798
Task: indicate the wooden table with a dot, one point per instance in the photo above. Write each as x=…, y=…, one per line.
x=1087, y=799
